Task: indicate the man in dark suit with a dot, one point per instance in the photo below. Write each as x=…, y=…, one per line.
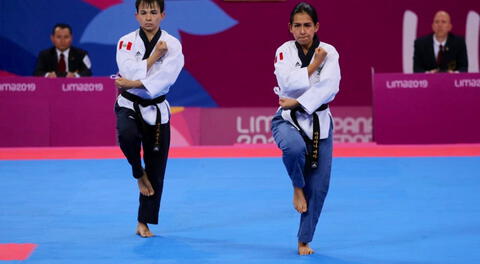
x=63, y=60
x=440, y=51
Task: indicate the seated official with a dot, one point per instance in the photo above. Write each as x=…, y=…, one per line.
x=63, y=60
x=440, y=51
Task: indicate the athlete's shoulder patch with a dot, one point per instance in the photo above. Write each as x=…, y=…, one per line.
x=125, y=45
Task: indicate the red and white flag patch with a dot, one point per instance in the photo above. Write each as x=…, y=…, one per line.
x=125, y=45
x=280, y=56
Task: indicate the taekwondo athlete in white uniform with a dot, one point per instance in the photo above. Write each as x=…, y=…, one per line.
x=149, y=62
x=308, y=77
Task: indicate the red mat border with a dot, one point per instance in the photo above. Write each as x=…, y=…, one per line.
x=244, y=151
x=16, y=251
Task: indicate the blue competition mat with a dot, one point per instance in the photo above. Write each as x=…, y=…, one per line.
x=379, y=210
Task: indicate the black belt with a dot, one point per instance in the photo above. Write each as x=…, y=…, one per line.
x=315, y=142
x=137, y=101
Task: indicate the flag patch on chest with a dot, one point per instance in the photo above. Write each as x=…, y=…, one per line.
x=125, y=45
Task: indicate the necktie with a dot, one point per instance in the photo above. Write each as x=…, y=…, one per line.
x=62, y=67
x=440, y=55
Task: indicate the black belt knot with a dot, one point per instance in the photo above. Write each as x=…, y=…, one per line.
x=315, y=142
x=137, y=101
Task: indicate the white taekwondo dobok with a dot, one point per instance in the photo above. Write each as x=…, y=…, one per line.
x=156, y=81
x=311, y=92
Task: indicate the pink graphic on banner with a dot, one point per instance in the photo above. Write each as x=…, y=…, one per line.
x=6, y=74
x=352, y=124
x=185, y=126
x=103, y=4
x=180, y=130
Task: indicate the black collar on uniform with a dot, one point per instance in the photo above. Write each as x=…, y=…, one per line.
x=307, y=58
x=149, y=45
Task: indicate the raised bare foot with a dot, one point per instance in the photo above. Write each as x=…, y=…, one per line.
x=144, y=185
x=299, y=201
x=304, y=249
x=143, y=231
